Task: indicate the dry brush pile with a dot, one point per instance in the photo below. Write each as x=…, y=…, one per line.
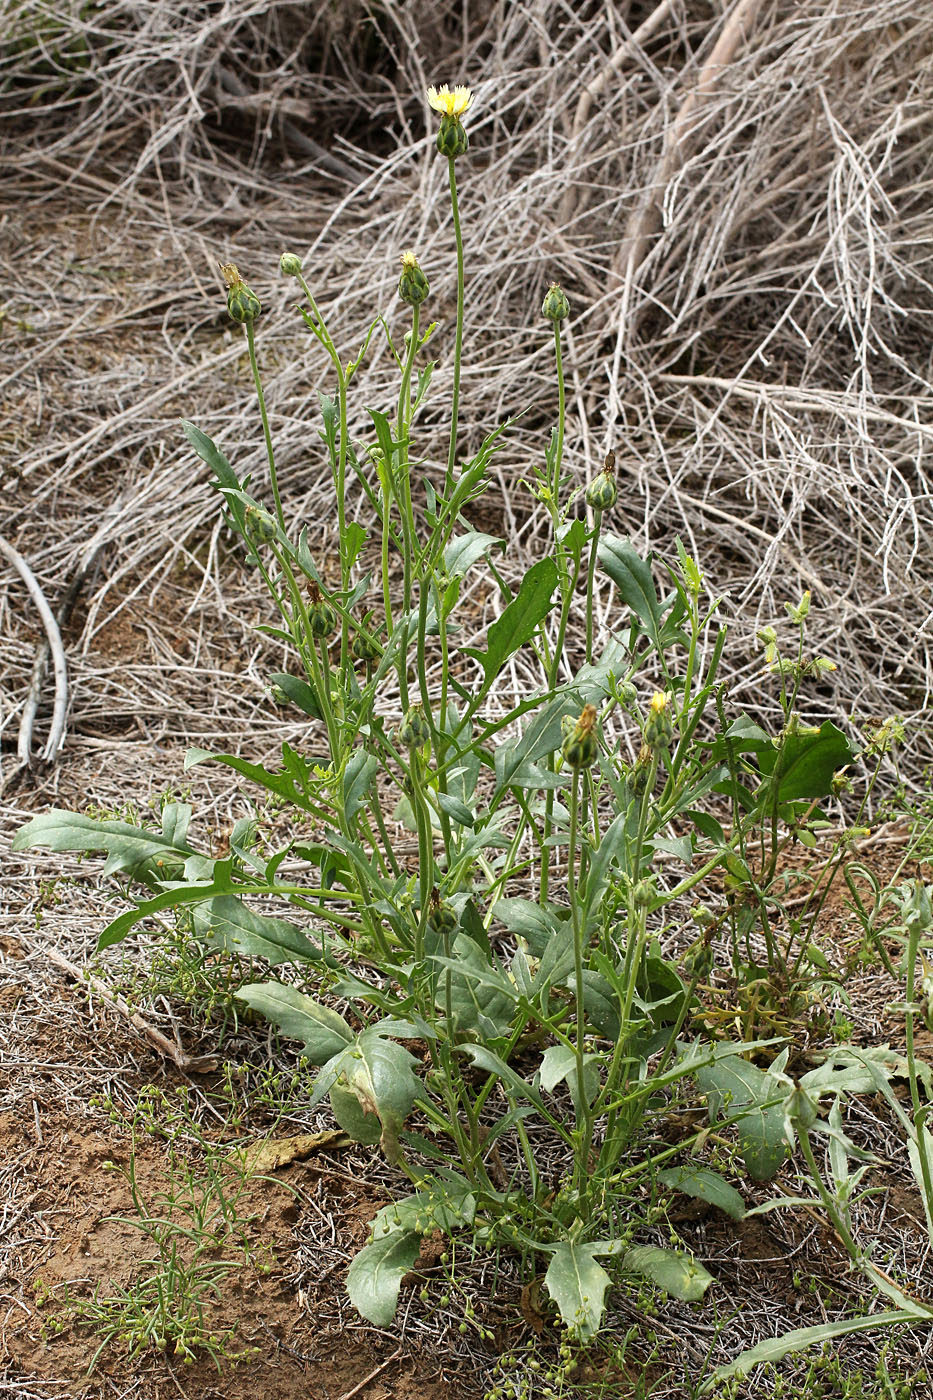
x=734, y=196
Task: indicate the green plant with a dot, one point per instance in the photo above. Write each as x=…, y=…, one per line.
x=198, y=1233
x=519, y=957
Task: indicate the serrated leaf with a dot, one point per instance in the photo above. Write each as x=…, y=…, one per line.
x=529, y=920
x=704, y=1185
x=375, y=1275
x=578, y=1286
x=678, y=1274
x=129, y=849
x=323, y=1032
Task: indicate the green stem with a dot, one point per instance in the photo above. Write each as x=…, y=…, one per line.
x=458, y=344
x=403, y=427
x=267, y=433
x=590, y=581
x=584, y=1119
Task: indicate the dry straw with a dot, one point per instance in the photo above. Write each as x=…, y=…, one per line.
x=734, y=196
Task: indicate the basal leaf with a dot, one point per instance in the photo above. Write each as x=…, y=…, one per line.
x=375, y=1276
x=678, y=1274
x=802, y=1337
x=578, y=1286
x=707, y=1186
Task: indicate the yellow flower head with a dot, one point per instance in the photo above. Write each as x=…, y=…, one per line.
x=230, y=274
x=408, y=259
x=658, y=702
x=452, y=104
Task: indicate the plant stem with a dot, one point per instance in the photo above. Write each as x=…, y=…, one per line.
x=267, y=433
x=458, y=343
x=584, y=1119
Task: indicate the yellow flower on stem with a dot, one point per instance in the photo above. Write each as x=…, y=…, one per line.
x=451, y=104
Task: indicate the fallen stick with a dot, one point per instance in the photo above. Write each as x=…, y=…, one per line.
x=645, y=221
x=53, y=633
x=188, y=1064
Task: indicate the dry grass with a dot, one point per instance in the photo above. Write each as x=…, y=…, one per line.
x=760, y=362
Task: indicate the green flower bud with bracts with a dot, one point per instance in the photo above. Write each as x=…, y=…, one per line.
x=555, y=306
x=322, y=619
x=452, y=140
x=290, y=265
x=259, y=524
x=412, y=285
x=414, y=730
x=698, y=960
x=602, y=491
x=442, y=917
x=644, y=894
x=642, y=771
x=243, y=305
x=580, y=745
x=659, y=727
x=363, y=649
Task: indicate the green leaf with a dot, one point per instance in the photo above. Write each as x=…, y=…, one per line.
x=358, y=778
x=803, y=1337
x=543, y=735
x=482, y=997
x=323, y=1032
x=357, y=1123
x=632, y=577
x=444, y=1203
x=740, y=1084
x=381, y=1075
x=678, y=1274
x=529, y=920
x=466, y=550
x=519, y=621
x=130, y=849
x=706, y=1186
x=578, y=1286
x=227, y=922
x=458, y=811
x=283, y=783
x=559, y=1063
x=299, y=692
x=808, y=761
x=375, y=1276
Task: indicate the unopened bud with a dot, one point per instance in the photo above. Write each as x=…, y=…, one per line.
x=243, y=305
x=580, y=744
x=412, y=285
x=414, y=730
x=555, y=306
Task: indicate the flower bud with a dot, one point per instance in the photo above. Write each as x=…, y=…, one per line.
x=413, y=285
x=243, y=305
x=452, y=139
x=602, y=491
x=555, y=306
x=441, y=916
x=659, y=727
x=580, y=745
x=414, y=730
x=259, y=524
x=322, y=619
x=290, y=265
x=365, y=650
x=644, y=894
